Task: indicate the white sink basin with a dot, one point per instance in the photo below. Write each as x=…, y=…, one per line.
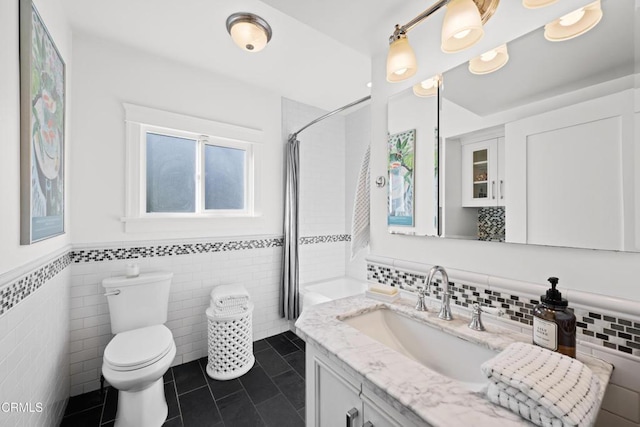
x=444, y=353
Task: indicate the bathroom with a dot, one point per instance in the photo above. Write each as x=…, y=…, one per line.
x=53, y=332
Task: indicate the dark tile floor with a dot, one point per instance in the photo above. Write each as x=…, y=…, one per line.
x=271, y=394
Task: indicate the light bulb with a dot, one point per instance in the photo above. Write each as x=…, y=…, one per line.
x=572, y=18
x=462, y=34
x=488, y=56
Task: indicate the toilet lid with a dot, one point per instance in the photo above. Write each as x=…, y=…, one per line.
x=138, y=348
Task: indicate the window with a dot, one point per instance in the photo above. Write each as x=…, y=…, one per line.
x=197, y=174
x=179, y=167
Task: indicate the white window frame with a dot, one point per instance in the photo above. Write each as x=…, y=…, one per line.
x=140, y=121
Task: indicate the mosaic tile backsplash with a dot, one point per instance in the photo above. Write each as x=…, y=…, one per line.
x=491, y=223
x=611, y=332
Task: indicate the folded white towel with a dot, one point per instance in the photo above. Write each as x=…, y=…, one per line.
x=541, y=379
x=229, y=296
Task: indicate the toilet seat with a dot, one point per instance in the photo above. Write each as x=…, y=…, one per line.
x=138, y=348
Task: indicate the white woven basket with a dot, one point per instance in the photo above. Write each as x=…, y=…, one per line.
x=230, y=344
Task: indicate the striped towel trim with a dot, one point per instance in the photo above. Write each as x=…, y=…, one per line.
x=562, y=385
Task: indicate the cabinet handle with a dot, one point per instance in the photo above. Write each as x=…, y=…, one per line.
x=352, y=414
x=493, y=189
x=368, y=424
x=502, y=189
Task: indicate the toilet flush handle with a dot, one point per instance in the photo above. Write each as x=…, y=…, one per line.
x=111, y=293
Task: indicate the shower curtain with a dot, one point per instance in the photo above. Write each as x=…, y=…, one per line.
x=289, y=300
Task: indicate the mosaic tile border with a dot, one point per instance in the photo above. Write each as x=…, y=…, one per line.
x=108, y=254
x=12, y=293
x=330, y=238
x=615, y=333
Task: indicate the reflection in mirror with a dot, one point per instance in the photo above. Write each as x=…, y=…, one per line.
x=545, y=149
x=413, y=199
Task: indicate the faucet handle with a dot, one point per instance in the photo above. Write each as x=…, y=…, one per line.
x=476, y=315
x=421, y=304
x=476, y=318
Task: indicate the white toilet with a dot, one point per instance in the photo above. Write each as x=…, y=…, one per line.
x=143, y=349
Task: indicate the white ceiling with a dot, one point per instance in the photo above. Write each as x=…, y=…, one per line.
x=299, y=63
x=321, y=50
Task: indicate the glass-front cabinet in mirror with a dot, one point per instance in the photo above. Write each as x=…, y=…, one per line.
x=546, y=149
x=482, y=169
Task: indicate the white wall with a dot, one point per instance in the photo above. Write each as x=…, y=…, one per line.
x=34, y=333
x=108, y=75
x=577, y=268
x=12, y=254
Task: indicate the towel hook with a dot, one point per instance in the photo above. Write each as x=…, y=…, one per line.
x=381, y=181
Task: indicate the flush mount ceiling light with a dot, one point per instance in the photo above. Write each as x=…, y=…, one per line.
x=250, y=32
x=574, y=24
x=429, y=87
x=489, y=61
x=535, y=4
x=462, y=28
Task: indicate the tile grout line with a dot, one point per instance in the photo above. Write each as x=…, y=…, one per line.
x=175, y=389
x=206, y=381
x=247, y=392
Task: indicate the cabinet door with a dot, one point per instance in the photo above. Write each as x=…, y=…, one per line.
x=334, y=399
x=480, y=173
x=500, y=186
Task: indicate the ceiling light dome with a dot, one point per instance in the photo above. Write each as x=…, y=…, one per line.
x=535, y=4
x=489, y=61
x=574, y=24
x=462, y=26
x=250, y=32
x=428, y=87
x=401, y=60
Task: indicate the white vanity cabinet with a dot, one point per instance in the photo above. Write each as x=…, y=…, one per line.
x=335, y=398
x=483, y=172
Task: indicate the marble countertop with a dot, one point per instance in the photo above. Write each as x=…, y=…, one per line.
x=414, y=390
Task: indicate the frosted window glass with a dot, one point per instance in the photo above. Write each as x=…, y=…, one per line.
x=224, y=177
x=171, y=172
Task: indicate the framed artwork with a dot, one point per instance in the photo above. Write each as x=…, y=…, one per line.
x=401, y=147
x=42, y=117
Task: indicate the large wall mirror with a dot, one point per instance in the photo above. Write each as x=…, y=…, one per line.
x=412, y=148
x=546, y=149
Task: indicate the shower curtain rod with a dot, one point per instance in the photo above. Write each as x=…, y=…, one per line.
x=344, y=107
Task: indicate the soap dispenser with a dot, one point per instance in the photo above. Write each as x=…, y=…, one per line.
x=554, y=326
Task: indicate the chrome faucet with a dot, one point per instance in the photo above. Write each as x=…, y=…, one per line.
x=445, y=309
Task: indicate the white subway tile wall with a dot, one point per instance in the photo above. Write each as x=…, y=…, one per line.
x=34, y=355
x=322, y=190
x=195, y=275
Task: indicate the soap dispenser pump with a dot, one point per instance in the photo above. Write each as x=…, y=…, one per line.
x=554, y=326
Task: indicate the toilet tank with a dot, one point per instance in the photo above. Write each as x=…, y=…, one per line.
x=141, y=301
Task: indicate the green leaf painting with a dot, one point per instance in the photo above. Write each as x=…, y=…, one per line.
x=401, y=147
x=46, y=84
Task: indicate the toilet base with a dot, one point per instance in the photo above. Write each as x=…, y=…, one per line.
x=144, y=408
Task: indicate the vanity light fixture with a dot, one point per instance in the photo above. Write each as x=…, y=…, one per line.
x=250, y=32
x=535, y=4
x=428, y=87
x=462, y=27
x=574, y=24
x=489, y=61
